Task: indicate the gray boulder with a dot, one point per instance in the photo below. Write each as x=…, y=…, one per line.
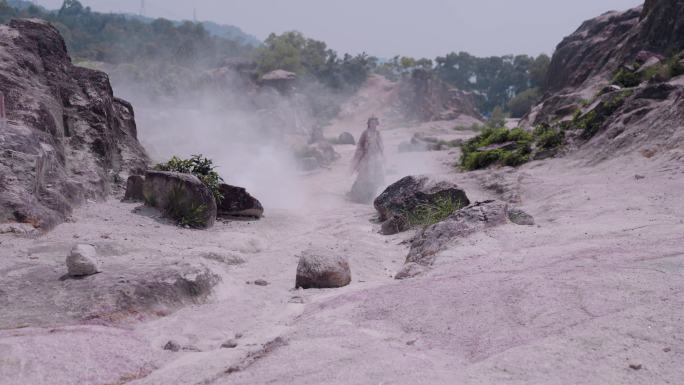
x=476, y=217
x=81, y=261
x=181, y=197
x=520, y=217
x=410, y=270
x=346, y=138
x=408, y=194
x=238, y=202
x=319, y=271
x=134, y=189
x=322, y=152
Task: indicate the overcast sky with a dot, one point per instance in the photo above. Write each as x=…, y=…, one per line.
x=420, y=28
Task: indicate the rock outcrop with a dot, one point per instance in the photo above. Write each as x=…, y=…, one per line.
x=424, y=97
x=134, y=189
x=318, y=270
x=67, y=137
x=181, y=197
x=403, y=197
x=616, y=84
x=431, y=240
x=130, y=290
x=237, y=202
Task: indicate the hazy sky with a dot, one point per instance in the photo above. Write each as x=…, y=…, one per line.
x=420, y=28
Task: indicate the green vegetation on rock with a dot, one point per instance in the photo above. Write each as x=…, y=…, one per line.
x=426, y=214
x=199, y=166
x=591, y=122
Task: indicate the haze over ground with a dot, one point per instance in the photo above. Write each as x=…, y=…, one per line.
x=386, y=28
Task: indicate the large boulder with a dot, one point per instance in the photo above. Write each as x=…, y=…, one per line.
x=134, y=189
x=319, y=270
x=476, y=217
x=320, y=154
x=181, y=197
x=67, y=135
x=238, y=202
x=406, y=195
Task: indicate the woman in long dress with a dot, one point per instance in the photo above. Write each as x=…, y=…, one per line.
x=368, y=163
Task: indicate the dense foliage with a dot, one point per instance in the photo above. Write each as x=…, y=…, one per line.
x=309, y=58
x=198, y=166
x=497, y=79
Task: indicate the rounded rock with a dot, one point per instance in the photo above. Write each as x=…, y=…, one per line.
x=81, y=261
x=319, y=271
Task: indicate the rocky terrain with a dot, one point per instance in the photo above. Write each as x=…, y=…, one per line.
x=68, y=138
x=616, y=84
x=566, y=270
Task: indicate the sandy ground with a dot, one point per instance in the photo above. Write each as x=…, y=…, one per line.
x=591, y=295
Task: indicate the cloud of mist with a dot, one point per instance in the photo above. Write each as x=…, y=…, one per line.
x=249, y=134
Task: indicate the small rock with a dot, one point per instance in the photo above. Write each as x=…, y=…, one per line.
x=190, y=348
x=346, y=138
x=261, y=282
x=410, y=270
x=172, y=346
x=230, y=344
x=520, y=217
x=81, y=261
x=635, y=366
x=308, y=164
x=667, y=350
x=639, y=177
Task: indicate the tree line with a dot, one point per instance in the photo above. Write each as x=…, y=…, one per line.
x=512, y=83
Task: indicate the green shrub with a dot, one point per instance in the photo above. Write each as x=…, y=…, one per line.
x=185, y=215
x=591, y=122
x=427, y=214
x=547, y=137
x=199, y=166
x=474, y=159
x=627, y=79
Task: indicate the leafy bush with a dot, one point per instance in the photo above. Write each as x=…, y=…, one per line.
x=427, y=214
x=547, y=137
x=626, y=78
x=664, y=71
x=191, y=216
x=199, y=166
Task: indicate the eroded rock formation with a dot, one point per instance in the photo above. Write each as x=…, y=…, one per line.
x=617, y=84
x=424, y=97
x=68, y=138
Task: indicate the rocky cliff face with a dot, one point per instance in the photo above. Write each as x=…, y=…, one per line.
x=67, y=138
x=424, y=97
x=616, y=86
